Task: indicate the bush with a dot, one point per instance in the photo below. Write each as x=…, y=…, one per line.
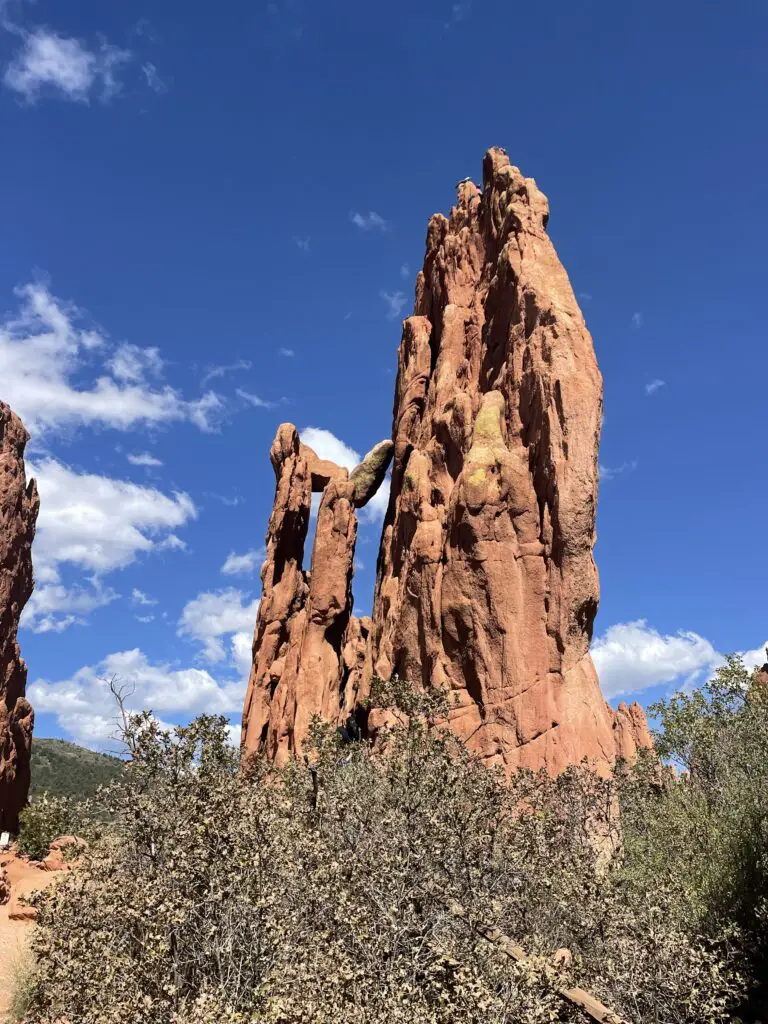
x=362, y=887
x=706, y=828
x=42, y=821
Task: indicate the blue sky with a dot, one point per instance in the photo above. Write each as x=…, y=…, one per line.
x=212, y=220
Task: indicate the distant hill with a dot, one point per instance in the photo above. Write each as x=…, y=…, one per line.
x=65, y=769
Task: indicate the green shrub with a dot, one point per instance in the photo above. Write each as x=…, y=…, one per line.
x=706, y=827
x=42, y=821
x=60, y=768
x=327, y=892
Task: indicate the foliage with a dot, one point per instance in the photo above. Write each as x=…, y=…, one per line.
x=327, y=891
x=707, y=826
x=23, y=990
x=65, y=769
x=43, y=821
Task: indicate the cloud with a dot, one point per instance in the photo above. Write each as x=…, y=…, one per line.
x=153, y=79
x=405, y=270
x=245, y=564
x=45, y=354
x=610, y=473
x=328, y=446
x=65, y=66
x=631, y=656
x=52, y=608
x=254, y=400
x=376, y=508
x=287, y=352
x=98, y=523
x=134, y=364
x=303, y=243
x=637, y=320
x=587, y=296
x=139, y=597
x=369, y=221
x=143, y=459
x=84, y=707
x=216, y=614
x=395, y=301
x=460, y=10
x=220, y=371
x=654, y=386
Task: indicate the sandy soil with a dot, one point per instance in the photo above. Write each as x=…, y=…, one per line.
x=14, y=935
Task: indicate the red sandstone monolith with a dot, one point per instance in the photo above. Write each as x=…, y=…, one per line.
x=19, y=505
x=486, y=583
x=307, y=643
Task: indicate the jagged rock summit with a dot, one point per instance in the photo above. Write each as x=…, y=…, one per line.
x=307, y=642
x=486, y=580
x=19, y=505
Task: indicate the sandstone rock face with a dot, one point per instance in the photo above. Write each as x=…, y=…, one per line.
x=19, y=504
x=307, y=644
x=486, y=582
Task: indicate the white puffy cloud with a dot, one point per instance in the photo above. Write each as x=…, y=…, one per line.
x=214, y=615
x=376, y=508
x=144, y=459
x=53, y=62
x=98, y=523
x=45, y=354
x=632, y=656
x=653, y=386
x=85, y=708
x=134, y=364
x=637, y=320
x=327, y=446
x=139, y=597
x=52, y=608
x=245, y=564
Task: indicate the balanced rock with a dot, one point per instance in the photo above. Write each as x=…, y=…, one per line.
x=307, y=644
x=19, y=505
x=486, y=582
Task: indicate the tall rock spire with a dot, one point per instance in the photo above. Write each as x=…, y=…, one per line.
x=19, y=505
x=486, y=579
x=486, y=583
x=307, y=644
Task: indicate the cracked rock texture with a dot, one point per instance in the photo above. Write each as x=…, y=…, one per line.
x=307, y=644
x=19, y=505
x=486, y=581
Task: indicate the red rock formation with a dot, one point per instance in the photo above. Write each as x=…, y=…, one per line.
x=19, y=506
x=307, y=643
x=486, y=583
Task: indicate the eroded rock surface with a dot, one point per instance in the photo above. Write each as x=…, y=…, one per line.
x=307, y=644
x=19, y=504
x=487, y=583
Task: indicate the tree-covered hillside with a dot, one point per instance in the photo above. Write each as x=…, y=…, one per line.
x=65, y=769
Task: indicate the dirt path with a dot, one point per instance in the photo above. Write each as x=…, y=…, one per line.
x=14, y=935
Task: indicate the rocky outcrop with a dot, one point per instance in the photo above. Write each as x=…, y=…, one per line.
x=19, y=504
x=307, y=644
x=486, y=580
